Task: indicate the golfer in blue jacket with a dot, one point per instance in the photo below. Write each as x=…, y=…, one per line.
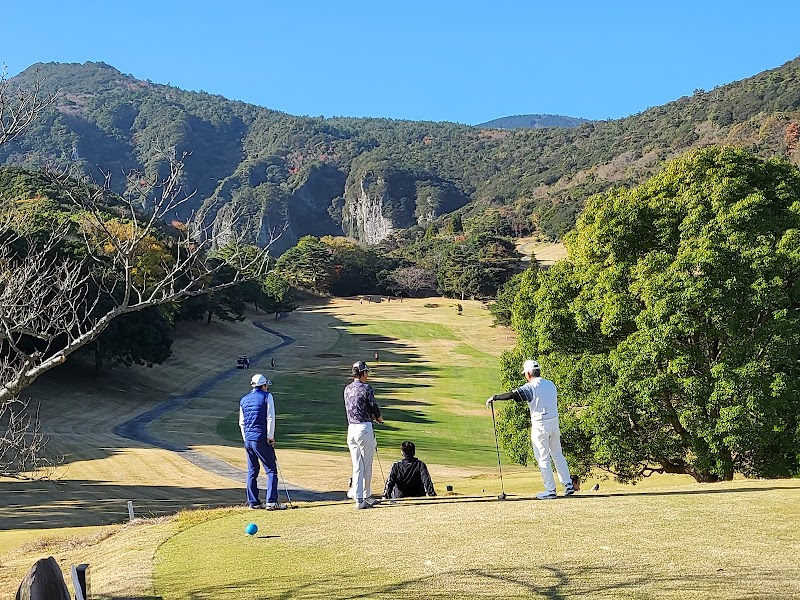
x=257, y=422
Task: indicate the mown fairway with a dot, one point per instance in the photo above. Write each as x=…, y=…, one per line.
x=99, y=471
x=435, y=371
x=431, y=380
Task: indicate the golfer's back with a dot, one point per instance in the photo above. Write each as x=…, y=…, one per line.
x=542, y=398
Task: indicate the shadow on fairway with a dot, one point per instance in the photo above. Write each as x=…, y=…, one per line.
x=536, y=582
x=74, y=503
x=384, y=504
x=546, y=581
x=669, y=492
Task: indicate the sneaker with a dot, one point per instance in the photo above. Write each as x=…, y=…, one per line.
x=363, y=505
x=256, y=506
x=372, y=501
x=276, y=506
x=569, y=489
x=547, y=495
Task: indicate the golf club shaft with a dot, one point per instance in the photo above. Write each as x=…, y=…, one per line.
x=285, y=489
x=378, y=456
x=497, y=447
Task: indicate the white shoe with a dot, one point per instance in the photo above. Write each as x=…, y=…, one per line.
x=569, y=489
x=362, y=505
x=547, y=495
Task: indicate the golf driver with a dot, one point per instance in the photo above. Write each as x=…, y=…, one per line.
x=502, y=496
x=285, y=489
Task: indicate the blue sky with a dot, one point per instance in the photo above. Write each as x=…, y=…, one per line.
x=447, y=61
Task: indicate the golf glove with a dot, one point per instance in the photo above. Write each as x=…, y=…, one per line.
x=489, y=402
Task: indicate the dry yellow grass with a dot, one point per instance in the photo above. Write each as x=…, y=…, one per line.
x=120, y=558
x=100, y=471
x=546, y=253
x=316, y=331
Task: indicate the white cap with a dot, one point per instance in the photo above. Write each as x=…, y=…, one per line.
x=258, y=380
x=529, y=365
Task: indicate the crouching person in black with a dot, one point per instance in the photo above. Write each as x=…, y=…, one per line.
x=409, y=477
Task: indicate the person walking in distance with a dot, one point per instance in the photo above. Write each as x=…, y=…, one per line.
x=542, y=399
x=257, y=422
x=361, y=409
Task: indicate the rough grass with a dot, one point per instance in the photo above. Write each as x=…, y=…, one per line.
x=100, y=472
x=120, y=558
x=545, y=253
x=732, y=540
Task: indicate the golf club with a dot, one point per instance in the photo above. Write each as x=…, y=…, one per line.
x=285, y=489
x=378, y=456
x=502, y=496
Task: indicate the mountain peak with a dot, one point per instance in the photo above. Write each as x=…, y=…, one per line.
x=87, y=77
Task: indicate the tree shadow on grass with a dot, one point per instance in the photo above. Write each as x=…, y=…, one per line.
x=80, y=503
x=545, y=582
x=536, y=582
x=126, y=597
x=679, y=492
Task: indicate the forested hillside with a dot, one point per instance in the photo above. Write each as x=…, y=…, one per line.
x=255, y=169
x=532, y=122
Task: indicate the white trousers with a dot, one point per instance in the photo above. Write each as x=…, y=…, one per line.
x=361, y=441
x=546, y=438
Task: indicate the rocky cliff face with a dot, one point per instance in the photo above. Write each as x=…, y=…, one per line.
x=375, y=204
x=362, y=213
x=251, y=207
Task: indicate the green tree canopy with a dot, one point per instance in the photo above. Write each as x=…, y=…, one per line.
x=277, y=294
x=309, y=265
x=673, y=327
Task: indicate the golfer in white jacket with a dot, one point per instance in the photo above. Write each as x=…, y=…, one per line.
x=541, y=396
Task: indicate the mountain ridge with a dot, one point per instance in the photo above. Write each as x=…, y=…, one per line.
x=255, y=168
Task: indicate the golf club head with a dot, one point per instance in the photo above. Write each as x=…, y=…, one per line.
x=502, y=496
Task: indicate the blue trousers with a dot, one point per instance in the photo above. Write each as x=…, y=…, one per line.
x=261, y=452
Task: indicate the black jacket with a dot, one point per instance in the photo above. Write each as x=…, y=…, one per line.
x=409, y=477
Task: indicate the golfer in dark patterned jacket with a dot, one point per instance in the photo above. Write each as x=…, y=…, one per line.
x=362, y=409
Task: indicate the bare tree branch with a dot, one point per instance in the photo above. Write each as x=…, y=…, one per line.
x=413, y=279
x=54, y=301
x=19, y=107
x=130, y=262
